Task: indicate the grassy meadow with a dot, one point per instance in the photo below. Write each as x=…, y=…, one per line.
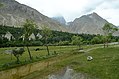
x=6, y=58
x=37, y=55
x=103, y=66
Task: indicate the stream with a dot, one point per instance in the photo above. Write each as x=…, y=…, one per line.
x=18, y=72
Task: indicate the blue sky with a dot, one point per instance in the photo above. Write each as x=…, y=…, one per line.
x=71, y=9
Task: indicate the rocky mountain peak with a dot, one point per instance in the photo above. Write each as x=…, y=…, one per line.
x=89, y=24
x=94, y=14
x=59, y=19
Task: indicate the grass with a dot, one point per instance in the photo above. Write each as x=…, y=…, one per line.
x=105, y=64
x=6, y=59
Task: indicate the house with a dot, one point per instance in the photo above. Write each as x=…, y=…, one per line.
x=32, y=37
x=39, y=36
x=9, y=36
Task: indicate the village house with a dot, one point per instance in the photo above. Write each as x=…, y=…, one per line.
x=9, y=36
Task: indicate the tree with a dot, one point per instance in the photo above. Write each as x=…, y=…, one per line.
x=95, y=40
x=63, y=43
x=77, y=40
x=108, y=30
x=47, y=33
x=1, y=4
x=17, y=52
x=28, y=27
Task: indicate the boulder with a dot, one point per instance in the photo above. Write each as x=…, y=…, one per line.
x=89, y=58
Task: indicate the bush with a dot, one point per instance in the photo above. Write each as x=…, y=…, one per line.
x=63, y=43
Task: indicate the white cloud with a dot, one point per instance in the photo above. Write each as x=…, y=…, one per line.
x=72, y=9
x=109, y=11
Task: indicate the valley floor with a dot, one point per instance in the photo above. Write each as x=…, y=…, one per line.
x=103, y=66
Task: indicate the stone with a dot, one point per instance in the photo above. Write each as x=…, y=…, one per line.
x=89, y=58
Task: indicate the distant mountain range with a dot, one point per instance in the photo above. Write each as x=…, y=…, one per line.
x=14, y=14
x=60, y=19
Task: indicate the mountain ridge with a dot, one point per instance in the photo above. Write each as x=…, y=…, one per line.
x=14, y=14
x=88, y=24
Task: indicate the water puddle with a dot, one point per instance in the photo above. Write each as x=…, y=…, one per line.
x=17, y=73
x=69, y=73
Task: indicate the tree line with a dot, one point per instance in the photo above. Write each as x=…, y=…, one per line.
x=50, y=37
x=56, y=38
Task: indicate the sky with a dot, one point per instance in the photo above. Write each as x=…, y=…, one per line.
x=71, y=9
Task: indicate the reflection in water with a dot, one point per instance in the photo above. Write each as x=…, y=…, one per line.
x=69, y=74
x=18, y=72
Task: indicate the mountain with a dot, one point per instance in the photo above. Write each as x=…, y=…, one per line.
x=14, y=14
x=60, y=19
x=88, y=24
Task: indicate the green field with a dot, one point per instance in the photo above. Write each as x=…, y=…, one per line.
x=103, y=66
x=8, y=58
